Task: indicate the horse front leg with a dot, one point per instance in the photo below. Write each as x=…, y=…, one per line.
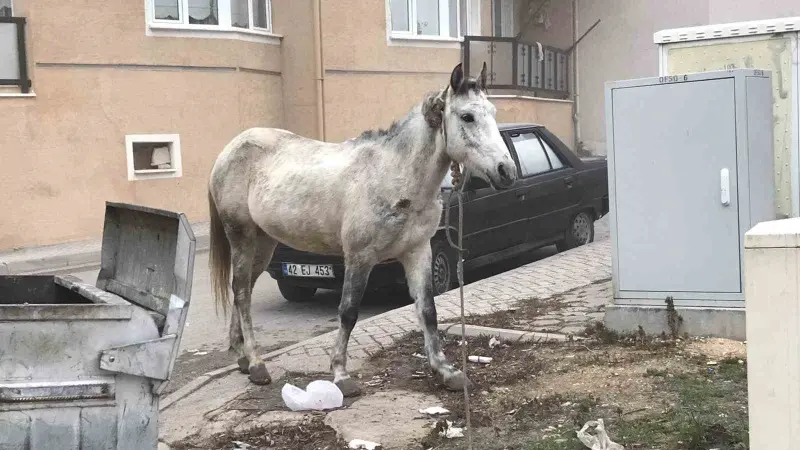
x=356, y=276
x=417, y=265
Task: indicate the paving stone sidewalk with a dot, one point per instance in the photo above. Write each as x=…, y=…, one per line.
x=210, y=405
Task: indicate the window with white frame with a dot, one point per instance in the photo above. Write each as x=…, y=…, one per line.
x=240, y=14
x=436, y=18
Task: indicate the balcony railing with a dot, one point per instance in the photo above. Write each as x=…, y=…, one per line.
x=13, y=57
x=515, y=65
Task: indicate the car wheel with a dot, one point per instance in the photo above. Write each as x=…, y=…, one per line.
x=294, y=293
x=580, y=231
x=443, y=268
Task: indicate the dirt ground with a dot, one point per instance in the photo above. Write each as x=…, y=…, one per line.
x=686, y=394
x=651, y=394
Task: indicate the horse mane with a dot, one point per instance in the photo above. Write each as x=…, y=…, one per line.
x=469, y=84
x=377, y=134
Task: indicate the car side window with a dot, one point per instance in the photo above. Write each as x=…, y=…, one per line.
x=555, y=160
x=531, y=154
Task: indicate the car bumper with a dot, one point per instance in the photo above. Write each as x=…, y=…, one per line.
x=383, y=274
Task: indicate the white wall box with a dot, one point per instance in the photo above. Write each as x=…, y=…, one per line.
x=772, y=288
x=690, y=171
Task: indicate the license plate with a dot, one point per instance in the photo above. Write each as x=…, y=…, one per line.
x=308, y=270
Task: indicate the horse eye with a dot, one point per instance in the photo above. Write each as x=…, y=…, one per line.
x=467, y=118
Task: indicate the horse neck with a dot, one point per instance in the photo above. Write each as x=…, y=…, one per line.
x=425, y=160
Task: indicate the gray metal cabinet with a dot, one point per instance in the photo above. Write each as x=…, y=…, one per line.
x=690, y=171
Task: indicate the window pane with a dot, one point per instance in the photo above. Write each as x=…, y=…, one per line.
x=464, y=18
x=164, y=9
x=452, y=13
x=203, y=12
x=239, y=14
x=260, y=14
x=428, y=17
x=555, y=160
x=400, y=15
x=531, y=154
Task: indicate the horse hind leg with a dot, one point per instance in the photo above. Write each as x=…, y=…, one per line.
x=265, y=247
x=417, y=265
x=244, y=246
x=356, y=275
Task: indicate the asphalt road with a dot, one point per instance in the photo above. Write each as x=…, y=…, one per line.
x=278, y=323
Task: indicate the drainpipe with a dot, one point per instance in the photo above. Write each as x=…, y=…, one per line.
x=318, y=69
x=575, y=109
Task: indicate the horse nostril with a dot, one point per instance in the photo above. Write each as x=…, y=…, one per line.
x=503, y=172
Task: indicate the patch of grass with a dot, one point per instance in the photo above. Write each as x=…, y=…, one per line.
x=655, y=373
x=564, y=441
x=711, y=412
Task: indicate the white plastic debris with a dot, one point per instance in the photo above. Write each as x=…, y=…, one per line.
x=239, y=445
x=452, y=432
x=434, y=411
x=480, y=359
x=319, y=395
x=598, y=441
x=417, y=355
x=360, y=443
x=494, y=342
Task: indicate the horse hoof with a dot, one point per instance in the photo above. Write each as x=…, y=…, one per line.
x=259, y=374
x=244, y=364
x=456, y=381
x=348, y=387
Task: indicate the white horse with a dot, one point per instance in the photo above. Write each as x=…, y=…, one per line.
x=368, y=199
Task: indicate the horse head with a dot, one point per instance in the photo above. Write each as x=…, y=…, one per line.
x=466, y=118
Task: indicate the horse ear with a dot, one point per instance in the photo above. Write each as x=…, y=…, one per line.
x=482, y=78
x=457, y=78
x=433, y=110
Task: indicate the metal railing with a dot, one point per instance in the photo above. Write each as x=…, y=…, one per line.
x=516, y=65
x=13, y=56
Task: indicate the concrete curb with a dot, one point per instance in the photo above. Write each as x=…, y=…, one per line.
x=454, y=329
x=208, y=377
x=73, y=257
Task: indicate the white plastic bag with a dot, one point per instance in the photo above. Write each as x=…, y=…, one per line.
x=600, y=441
x=319, y=395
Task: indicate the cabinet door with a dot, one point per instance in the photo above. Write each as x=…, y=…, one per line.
x=671, y=142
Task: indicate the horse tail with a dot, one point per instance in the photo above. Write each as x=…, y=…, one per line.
x=219, y=258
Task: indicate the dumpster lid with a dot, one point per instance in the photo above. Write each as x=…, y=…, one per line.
x=147, y=255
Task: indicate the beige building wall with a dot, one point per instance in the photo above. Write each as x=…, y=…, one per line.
x=622, y=47
x=555, y=114
x=97, y=77
x=371, y=84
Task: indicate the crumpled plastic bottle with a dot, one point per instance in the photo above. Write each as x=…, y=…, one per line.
x=599, y=441
x=318, y=395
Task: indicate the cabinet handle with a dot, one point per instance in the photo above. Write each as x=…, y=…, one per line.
x=725, y=187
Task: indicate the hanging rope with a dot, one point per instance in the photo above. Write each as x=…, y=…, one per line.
x=455, y=171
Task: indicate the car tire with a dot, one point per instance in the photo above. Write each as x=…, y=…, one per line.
x=443, y=267
x=296, y=294
x=580, y=231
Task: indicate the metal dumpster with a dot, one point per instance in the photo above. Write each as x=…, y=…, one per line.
x=82, y=366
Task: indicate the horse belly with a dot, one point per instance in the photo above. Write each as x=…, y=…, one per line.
x=302, y=223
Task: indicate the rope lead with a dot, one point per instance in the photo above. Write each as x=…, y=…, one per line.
x=455, y=171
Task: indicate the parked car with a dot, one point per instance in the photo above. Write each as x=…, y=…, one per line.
x=556, y=200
